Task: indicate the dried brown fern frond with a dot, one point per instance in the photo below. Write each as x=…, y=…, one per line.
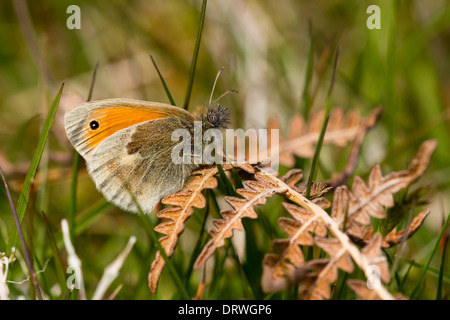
x=316, y=276
x=302, y=137
x=363, y=292
x=183, y=203
x=311, y=224
x=277, y=265
x=353, y=208
x=175, y=217
x=318, y=189
x=284, y=267
x=361, y=289
x=256, y=193
x=395, y=237
x=366, y=124
x=312, y=221
x=279, y=268
x=339, y=259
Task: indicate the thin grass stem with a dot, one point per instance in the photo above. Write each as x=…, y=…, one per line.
x=195, y=56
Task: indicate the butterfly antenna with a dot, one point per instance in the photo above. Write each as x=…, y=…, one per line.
x=224, y=94
x=214, y=86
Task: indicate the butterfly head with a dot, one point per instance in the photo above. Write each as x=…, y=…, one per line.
x=217, y=117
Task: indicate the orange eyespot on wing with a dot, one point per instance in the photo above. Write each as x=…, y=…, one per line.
x=102, y=123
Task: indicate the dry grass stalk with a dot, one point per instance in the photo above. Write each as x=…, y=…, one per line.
x=112, y=270
x=73, y=260
x=4, y=267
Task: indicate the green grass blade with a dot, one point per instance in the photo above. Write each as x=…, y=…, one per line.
x=441, y=270
x=427, y=264
x=173, y=271
x=73, y=196
x=243, y=272
x=94, y=77
x=402, y=283
x=219, y=262
x=201, y=241
x=25, y=194
x=390, y=86
x=84, y=221
x=75, y=167
x=333, y=78
x=237, y=179
x=392, y=266
x=195, y=56
x=250, y=291
x=44, y=283
x=33, y=283
x=251, y=270
x=60, y=272
x=306, y=99
x=144, y=254
x=166, y=89
x=217, y=277
x=153, y=236
x=341, y=287
x=431, y=271
x=313, y=171
x=227, y=184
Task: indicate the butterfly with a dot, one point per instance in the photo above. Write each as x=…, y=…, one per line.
x=127, y=145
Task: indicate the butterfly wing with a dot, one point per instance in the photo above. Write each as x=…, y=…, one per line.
x=128, y=151
x=88, y=124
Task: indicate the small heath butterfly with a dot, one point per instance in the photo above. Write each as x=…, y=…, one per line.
x=127, y=145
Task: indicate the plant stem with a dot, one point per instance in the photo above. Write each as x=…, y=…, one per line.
x=22, y=239
x=195, y=56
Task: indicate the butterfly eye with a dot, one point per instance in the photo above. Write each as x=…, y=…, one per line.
x=212, y=118
x=94, y=125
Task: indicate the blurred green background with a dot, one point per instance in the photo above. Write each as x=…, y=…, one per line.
x=264, y=47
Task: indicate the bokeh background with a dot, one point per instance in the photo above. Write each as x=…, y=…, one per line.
x=265, y=47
